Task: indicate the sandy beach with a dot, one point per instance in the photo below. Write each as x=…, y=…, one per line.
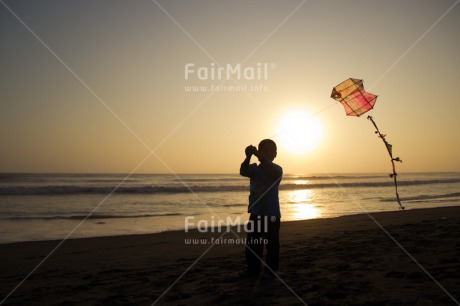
x=348, y=260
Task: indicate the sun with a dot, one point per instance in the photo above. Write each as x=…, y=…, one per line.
x=299, y=131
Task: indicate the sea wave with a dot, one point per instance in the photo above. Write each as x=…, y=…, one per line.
x=334, y=177
x=423, y=198
x=90, y=217
x=148, y=189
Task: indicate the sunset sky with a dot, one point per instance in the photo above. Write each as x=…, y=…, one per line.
x=101, y=86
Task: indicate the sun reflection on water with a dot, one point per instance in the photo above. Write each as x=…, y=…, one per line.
x=300, y=196
x=301, y=206
x=305, y=211
x=301, y=182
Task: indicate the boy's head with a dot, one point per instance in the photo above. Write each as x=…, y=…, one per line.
x=267, y=149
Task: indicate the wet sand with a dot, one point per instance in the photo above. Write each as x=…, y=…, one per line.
x=351, y=260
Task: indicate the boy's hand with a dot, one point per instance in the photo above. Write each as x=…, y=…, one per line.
x=251, y=150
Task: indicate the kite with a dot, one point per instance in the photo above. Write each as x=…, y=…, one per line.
x=357, y=101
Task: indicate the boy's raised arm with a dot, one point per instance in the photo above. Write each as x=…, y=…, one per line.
x=244, y=169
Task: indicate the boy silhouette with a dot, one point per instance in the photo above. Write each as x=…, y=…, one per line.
x=264, y=209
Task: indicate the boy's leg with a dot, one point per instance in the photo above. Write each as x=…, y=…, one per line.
x=273, y=245
x=253, y=247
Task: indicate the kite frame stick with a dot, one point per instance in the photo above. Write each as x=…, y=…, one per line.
x=388, y=146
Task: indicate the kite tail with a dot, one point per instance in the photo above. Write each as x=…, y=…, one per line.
x=390, y=151
x=396, y=183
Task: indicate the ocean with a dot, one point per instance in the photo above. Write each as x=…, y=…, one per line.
x=56, y=206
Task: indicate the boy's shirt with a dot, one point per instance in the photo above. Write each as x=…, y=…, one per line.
x=264, y=182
